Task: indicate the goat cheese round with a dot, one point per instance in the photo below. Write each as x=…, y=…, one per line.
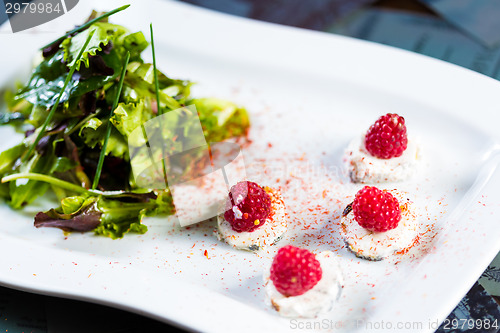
x=376, y=246
x=268, y=234
x=313, y=302
x=365, y=168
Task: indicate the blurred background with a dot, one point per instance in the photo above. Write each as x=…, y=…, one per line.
x=462, y=32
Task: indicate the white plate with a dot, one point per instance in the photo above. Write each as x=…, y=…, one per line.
x=308, y=94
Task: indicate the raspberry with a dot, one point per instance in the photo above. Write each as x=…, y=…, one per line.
x=387, y=137
x=376, y=210
x=295, y=271
x=247, y=206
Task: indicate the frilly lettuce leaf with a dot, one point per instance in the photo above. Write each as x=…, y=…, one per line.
x=93, y=132
x=103, y=33
x=140, y=84
x=120, y=217
x=127, y=117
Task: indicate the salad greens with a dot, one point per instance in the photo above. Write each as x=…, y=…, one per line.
x=84, y=99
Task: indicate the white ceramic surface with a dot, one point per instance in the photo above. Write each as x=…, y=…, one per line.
x=308, y=94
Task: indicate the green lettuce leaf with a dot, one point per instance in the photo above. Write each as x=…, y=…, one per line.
x=133, y=42
x=63, y=164
x=48, y=77
x=17, y=110
x=221, y=119
x=10, y=117
x=23, y=193
x=8, y=159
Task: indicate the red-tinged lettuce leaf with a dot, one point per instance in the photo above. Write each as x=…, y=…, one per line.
x=111, y=215
x=86, y=219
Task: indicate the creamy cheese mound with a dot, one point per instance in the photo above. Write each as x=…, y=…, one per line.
x=372, y=245
x=365, y=168
x=313, y=302
x=268, y=234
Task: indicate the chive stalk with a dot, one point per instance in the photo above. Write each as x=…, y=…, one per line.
x=97, y=175
x=160, y=112
x=155, y=72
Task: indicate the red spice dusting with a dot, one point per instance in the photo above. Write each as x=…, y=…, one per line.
x=314, y=197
